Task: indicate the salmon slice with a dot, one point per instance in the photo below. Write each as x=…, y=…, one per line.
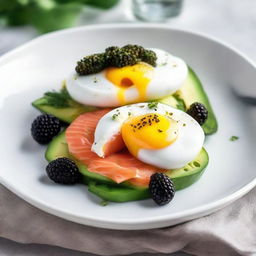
x=116, y=144
x=144, y=176
x=120, y=166
x=116, y=165
x=80, y=135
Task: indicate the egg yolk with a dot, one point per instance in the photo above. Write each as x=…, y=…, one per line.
x=138, y=75
x=150, y=131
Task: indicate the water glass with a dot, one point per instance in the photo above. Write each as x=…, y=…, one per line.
x=156, y=10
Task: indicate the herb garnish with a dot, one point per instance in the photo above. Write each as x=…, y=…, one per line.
x=233, y=138
x=180, y=102
x=104, y=203
x=162, y=64
x=152, y=104
x=115, y=116
x=58, y=99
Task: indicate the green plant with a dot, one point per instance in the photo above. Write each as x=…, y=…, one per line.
x=47, y=15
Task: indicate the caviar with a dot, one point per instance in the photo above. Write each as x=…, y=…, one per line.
x=121, y=58
x=135, y=50
x=149, y=57
x=91, y=64
x=114, y=56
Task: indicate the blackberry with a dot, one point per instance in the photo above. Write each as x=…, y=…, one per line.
x=161, y=188
x=91, y=64
x=135, y=50
x=149, y=57
x=44, y=128
x=64, y=171
x=121, y=58
x=199, y=112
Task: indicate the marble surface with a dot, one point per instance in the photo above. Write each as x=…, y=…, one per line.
x=232, y=21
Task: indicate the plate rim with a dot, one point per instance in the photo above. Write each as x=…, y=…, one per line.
x=129, y=25
x=128, y=224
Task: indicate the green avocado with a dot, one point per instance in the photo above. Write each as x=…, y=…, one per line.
x=58, y=148
x=118, y=194
x=61, y=105
x=66, y=109
x=193, y=91
x=67, y=114
x=111, y=191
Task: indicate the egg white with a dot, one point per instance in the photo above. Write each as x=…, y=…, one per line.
x=183, y=150
x=167, y=77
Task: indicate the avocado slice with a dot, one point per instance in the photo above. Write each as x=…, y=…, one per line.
x=125, y=192
x=58, y=147
x=67, y=114
x=61, y=105
x=193, y=91
x=66, y=109
x=107, y=189
x=190, y=173
x=117, y=193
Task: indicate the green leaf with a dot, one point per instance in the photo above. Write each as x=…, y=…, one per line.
x=45, y=4
x=103, y=4
x=180, y=102
x=47, y=15
x=104, y=203
x=59, y=17
x=23, y=2
x=7, y=5
x=152, y=104
x=18, y=16
x=3, y=20
x=233, y=138
x=60, y=99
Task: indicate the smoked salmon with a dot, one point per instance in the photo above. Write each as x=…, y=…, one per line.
x=120, y=166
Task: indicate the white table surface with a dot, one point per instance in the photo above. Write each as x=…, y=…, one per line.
x=232, y=21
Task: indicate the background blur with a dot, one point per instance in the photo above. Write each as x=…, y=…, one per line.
x=22, y=20
x=233, y=21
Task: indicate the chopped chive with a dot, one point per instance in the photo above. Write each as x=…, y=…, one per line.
x=114, y=116
x=104, y=203
x=152, y=105
x=233, y=138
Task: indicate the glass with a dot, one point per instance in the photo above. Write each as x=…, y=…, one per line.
x=156, y=10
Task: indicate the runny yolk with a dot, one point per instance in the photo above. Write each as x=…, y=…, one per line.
x=150, y=131
x=138, y=75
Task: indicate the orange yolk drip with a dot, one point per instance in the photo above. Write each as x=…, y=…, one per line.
x=150, y=131
x=138, y=75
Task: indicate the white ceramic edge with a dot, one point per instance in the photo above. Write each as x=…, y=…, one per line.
x=125, y=224
x=147, y=223
x=127, y=25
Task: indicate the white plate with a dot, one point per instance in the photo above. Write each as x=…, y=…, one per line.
x=40, y=65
